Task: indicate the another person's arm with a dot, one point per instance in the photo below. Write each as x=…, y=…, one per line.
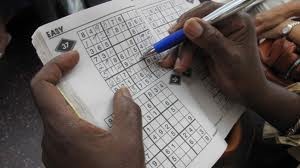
x=233, y=61
x=270, y=19
x=69, y=141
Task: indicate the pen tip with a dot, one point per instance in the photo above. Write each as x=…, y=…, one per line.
x=149, y=53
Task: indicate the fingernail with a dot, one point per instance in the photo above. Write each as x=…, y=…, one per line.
x=125, y=92
x=193, y=28
x=178, y=67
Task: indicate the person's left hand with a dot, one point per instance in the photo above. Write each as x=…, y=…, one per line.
x=69, y=141
x=275, y=32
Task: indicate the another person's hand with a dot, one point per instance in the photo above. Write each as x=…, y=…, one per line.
x=268, y=20
x=69, y=141
x=275, y=32
x=231, y=49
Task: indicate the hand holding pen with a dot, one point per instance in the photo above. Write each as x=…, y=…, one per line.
x=179, y=36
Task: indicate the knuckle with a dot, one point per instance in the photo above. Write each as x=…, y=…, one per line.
x=212, y=36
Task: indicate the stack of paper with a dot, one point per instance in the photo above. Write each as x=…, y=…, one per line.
x=185, y=118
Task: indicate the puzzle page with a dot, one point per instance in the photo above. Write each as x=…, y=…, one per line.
x=176, y=131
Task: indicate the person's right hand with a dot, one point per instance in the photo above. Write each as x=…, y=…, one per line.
x=232, y=53
x=69, y=141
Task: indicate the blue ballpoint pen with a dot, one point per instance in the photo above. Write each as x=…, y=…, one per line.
x=178, y=37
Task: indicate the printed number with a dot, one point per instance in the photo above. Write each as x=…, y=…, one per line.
x=174, y=159
x=185, y=135
x=168, y=151
x=167, y=126
x=191, y=142
x=83, y=35
x=92, y=51
x=154, y=137
x=106, y=44
x=65, y=45
x=154, y=163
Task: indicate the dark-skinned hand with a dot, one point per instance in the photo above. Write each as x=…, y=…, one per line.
x=229, y=48
x=69, y=141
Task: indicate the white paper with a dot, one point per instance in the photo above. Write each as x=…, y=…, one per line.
x=179, y=120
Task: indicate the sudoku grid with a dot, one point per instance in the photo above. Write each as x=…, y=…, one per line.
x=116, y=45
x=162, y=16
x=172, y=136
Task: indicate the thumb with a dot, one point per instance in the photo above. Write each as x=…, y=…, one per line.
x=206, y=36
x=127, y=118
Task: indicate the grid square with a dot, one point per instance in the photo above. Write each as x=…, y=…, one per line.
x=201, y=131
x=148, y=156
x=155, y=101
x=180, y=164
x=184, y=122
x=173, y=133
x=167, y=164
x=161, y=96
x=173, y=121
x=191, y=141
x=160, y=132
x=179, y=152
x=185, y=147
x=166, y=102
x=173, y=146
x=166, y=126
x=148, y=117
x=196, y=136
x=154, y=113
x=172, y=98
x=197, y=148
x=143, y=99
x=173, y=109
x=174, y=158
x=154, y=163
x=154, y=150
x=167, y=92
x=167, y=138
x=167, y=114
x=179, y=127
x=186, y=160
x=191, y=153
x=149, y=105
x=184, y=111
x=149, y=129
x=161, y=120
x=207, y=138
x=161, y=157
x=179, y=117
x=202, y=143
x=155, y=124
x=161, y=107
x=185, y=135
x=178, y=105
x=161, y=144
